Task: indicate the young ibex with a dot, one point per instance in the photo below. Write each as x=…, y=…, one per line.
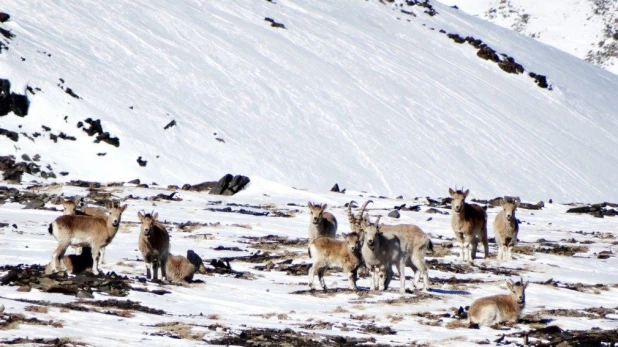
x=322, y=224
x=84, y=231
x=71, y=209
x=154, y=244
x=328, y=251
x=75, y=263
x=400, y=245
x=181, y=269
x=469, y=222
x=499, y=308
x=506, y=228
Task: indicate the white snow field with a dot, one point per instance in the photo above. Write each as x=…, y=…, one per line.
x=355, y=93
x=225, y=304
x=588, y=29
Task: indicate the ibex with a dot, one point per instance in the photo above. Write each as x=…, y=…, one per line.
x=328, y=251
x=181, y=269
x=84, y=231
x=71, y=209
x=499, y=308
x=322, y=224
x=413, y=242
x=154, y=244
x=469, y=222
x=506, y=228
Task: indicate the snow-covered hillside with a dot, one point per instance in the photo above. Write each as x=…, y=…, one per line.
x=356, y=93
x=588, y=29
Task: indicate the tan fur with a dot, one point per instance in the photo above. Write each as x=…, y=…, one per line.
x=506, y=228
x=181, y=269
x=469, y=223
x=75, y=263
x=71, y=209
x=495, y=309
x=400, y=245
x=321, y=223
x=154, y=244
x=84, y=231
x=356, y=222
x=328, y=251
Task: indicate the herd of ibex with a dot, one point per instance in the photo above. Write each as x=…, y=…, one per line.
x=93, y=229
x=376, y=246
x=379, y=247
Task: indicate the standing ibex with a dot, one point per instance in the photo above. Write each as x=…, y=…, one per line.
x=413, y=242
x=506, y=228
x=71, y=209
x=322, y=224
x=494, y=309
x=84, y=231
x=328, y=251
x=469, y=222
x=154, y=244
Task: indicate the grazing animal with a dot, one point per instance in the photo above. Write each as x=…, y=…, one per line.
x=71, y=209
x=495, y=309
x=400, y=245
x=506, y=228
x=181, y=270
x=154, y=244
x=321, y=224
x=328, y=251
x=469, y=222
x=84, y=231
x=75, y=263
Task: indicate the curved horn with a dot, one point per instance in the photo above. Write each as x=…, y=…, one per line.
x=350, y=215
x=362, y=210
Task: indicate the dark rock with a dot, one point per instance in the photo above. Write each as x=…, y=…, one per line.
x=4, y=17
x=25, y=157
x=6, y=33
x=222, y=185
x=46, y=128
x=141, y=162
x=10, y=134
x=487, y=53
x=135, y=181
x=509, y=65
x=71, y=93
x=36, y=157
x=200, y=187
x=335, y=188
x=169, y=125
x=101, y=154
x=394, y=214
x=456, y=38
x=80, y=124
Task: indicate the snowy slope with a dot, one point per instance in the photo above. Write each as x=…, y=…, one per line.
x=588, y=29
x=351, y=92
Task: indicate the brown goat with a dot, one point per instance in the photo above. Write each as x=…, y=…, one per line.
x=506, y=228
x=495, y=309
x=469, y=223
x=154, y=244
x=181, y=269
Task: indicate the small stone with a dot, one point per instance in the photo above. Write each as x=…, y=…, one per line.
x=394, y=214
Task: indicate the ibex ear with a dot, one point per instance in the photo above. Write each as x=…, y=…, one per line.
x=517, y=202
x=140, y=216
x=509, y=285
x=324, y=207
x=309, y=204
x=124, y=207
x=451, y=192
x=526, y=285
x=466, y=193
x=155, y=216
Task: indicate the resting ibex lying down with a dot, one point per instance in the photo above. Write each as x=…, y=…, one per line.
x=494, y=309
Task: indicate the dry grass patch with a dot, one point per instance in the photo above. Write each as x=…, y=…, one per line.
x=394, y=318
x=213, y=316
x=340, y=309
x=36, y=308
x=180, y=330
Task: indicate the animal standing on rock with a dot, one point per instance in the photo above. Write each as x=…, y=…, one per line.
x=71, y=209
x=495, y=309
x=328, y=251
x=321, y=223
x=85, y=231
x=506, y=228
x=154, y=244
x=469, y=222
x=181, y=270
